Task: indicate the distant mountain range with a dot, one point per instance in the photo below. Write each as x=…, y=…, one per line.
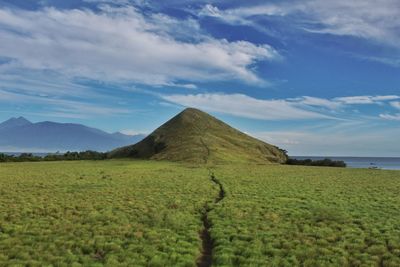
x=21, y=135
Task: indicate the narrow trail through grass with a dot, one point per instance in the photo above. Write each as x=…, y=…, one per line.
x=207, y=149
x=205, y=258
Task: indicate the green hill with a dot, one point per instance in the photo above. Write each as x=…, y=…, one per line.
x=197, y=137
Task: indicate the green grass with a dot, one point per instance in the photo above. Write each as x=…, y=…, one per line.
x=108, y=212
x=146, y=213
x=308, y=216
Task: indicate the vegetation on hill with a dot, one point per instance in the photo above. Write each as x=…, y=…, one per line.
x=197, y=137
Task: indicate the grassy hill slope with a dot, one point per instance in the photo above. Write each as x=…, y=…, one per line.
x=195, y=136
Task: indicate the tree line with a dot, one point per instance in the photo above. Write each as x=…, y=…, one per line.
x=84, y=155
x=323, y=162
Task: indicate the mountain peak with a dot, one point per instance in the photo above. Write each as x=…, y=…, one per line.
x=195, y=136
x=192, y=111
x=192, y=115
x=19, y=119
x=14, y=122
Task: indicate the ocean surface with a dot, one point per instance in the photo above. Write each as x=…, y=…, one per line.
x=363, y=162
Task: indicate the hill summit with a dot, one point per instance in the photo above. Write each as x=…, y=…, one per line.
x=197, y=137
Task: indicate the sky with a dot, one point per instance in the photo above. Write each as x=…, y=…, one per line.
x=313, y=77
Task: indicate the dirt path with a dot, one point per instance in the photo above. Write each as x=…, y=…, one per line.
x=207, y=149
x=205, y=259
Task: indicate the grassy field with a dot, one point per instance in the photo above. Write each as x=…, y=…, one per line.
x=143, y=213
x=108, y=212
x=307, y=216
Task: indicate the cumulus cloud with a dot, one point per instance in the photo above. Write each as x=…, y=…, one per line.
x=121, y=44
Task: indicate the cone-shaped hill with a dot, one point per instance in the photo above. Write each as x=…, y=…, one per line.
x=197, y=137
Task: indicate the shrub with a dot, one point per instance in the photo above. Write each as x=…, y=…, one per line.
x=309, y=162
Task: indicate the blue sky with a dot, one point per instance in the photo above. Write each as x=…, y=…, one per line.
x=314, y=77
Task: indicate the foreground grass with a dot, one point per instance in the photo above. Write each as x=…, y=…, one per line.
x=308, y=216
x=93, y=213
x=142, y=213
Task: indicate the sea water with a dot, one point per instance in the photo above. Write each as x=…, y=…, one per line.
x=386, y=163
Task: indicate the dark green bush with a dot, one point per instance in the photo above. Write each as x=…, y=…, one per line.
x=309, y=162
x=84, y=155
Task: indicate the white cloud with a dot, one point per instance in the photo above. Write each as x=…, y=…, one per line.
x=182, y=85
x=245, y=106
x=45, y=84
x=365, y=99
x=395, y=104
x=241, y=15
x=61, y=107
x=134, y=132
x=118, y=2
x=120, y=44
x=299, y=108
x=395, y=117
x=369, y=19
x=385, y=97
x=355, y=100
x=318, y=102
x=340, y=102
x=391, y=61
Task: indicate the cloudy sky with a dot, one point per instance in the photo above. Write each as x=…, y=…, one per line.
x=314, y=77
